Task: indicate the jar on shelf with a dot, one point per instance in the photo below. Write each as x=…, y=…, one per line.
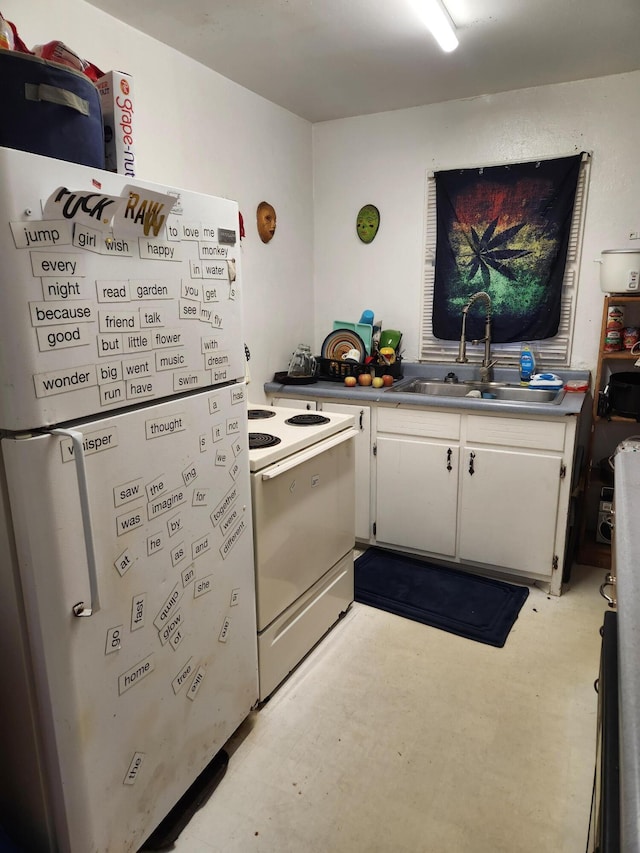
x=630, y=336
x=613, y=340
x=615, y=318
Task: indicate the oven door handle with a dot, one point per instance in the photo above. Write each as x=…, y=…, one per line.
x=306, y=455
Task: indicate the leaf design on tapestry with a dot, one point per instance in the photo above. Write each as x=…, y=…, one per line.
x=490, y=252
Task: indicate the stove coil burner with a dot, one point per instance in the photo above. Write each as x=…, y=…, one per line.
x=259, y=414
x=307, y=420
x=260, y=440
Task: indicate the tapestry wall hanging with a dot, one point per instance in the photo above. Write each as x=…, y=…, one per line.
x=505, y=230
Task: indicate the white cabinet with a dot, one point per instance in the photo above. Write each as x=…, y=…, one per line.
x=510, y=503
x=483, y=490
x=418, y=492
x=509, y=508
x=362, y=418
x=417, y=455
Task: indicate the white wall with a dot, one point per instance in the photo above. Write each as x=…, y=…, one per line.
x=384, y=158
x=197, y=130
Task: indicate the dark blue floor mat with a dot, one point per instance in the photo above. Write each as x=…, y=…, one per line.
x=468, y=605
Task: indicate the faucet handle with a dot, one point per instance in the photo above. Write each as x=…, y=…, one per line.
x=486, y=372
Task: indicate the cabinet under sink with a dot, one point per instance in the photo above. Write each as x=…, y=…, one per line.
x=475, y=489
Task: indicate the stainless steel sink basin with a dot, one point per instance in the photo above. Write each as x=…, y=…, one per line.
x=517, y=393
x=438, y=387
x=490, y=391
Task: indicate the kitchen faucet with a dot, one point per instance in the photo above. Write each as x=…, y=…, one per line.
x=487, y=364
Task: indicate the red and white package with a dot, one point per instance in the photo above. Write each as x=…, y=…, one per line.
x=17, y=44
x=53, y=51
x=57, y=51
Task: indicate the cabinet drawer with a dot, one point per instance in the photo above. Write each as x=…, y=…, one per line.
x=419, y=422
x=516, y=432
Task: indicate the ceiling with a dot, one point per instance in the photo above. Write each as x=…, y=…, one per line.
x=329, y=59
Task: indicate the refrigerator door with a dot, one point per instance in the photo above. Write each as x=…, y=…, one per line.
x=139, y=607
x=100, y=312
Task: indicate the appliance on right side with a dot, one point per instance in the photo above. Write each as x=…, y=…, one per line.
x=620, y=271
x=302, y=468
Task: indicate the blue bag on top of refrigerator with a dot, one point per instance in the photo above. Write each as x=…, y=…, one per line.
x=50, y=109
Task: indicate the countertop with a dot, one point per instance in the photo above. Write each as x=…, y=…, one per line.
x=627, y=545
x=571, y=403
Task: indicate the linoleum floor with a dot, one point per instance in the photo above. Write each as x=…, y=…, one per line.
x=394, y=737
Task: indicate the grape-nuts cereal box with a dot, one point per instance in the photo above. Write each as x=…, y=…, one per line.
x=116, y=96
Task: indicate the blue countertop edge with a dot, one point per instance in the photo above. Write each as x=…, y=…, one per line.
x=627, y=545
x=571, y=404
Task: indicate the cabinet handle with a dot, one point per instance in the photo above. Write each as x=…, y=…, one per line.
x=612, y=602
x=449, y=453
x=472, y=456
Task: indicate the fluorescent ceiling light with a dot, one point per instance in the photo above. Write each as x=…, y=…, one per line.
x=437, y=19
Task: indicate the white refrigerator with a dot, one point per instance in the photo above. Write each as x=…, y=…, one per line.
x=127, y=602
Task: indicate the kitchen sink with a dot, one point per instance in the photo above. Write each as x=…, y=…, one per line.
x=438, y=387
x=490, y=391
x=515, y=393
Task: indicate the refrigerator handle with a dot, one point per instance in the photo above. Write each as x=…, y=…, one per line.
x=81, y=608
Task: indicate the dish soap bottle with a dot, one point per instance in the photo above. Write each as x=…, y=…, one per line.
x=527, y=364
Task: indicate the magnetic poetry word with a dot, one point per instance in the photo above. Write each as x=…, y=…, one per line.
x=166, y=425
x=134, y=768
x=181, y=678
x=195, y=685
x=168, y=608
x=43, y=233
x=231, y=540
x=166, y=503
x=138, y=611
x=136, y=674
x=64, y=380
x=226, y=502
x=92, y=442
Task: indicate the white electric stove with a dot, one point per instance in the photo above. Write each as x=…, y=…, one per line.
x=303, y=494
x=276, y=432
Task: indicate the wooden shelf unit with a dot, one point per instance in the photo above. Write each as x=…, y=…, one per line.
x=625, y=357
x=591, y=552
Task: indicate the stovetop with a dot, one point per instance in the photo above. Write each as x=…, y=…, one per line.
x=295, y=429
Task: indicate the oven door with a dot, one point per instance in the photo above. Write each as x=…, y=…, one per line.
x=304, y=521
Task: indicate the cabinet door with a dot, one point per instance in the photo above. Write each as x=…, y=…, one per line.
x=417, y=494
x=362, y=416
x=509, y=509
